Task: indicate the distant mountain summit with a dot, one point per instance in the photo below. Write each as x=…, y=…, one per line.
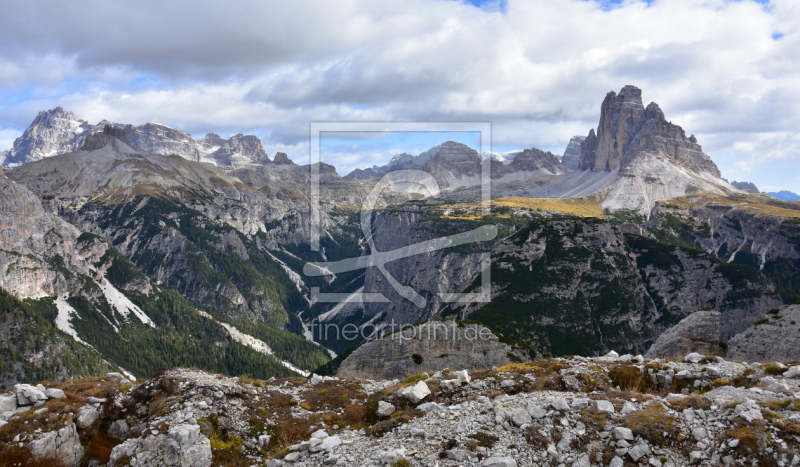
x=785, y=195
x=52, y=132
x=745, y=186
x=58, y=131
x=653, y=157
x=627, y=130
x=572, y=154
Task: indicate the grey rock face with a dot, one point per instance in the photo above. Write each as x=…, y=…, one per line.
x=627, y=128
x=186, y=447
x=8, y=403
x=64, y=444
x=87, y=415
x=652, y=158
x=29, y=395
x=427, y=347
x=58, y=131
x=52, y=132
x=532, y=160
x=182, y=446
x=239, y=150
x=746, y=186
x=161, y=139
x=572, y=154
x=282, y=159
x=698, y=332
x=775, y=338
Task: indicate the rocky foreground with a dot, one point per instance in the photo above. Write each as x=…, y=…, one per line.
x=614, y=411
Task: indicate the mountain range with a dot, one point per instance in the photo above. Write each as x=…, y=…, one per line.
x=146, y=248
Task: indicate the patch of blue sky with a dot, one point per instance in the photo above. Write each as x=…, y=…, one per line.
x=17, y=96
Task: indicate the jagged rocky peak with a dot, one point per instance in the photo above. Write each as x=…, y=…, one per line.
x=534, y=159
x=52, y=132
x=109, y=136
x=628, y=129
x=450, y=151
x=282, y=159
x=241, y=149
x=745, y=186
x=572, y=154
x=156, y=138
x=211, y=142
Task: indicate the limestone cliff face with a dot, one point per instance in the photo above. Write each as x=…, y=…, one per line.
x=773, y=338
x=572, y=153
x=652, y=158
x=52, y=132
x=627, y=129
x=38, y=248
x=582, y=287
x=532, y=160
x=698, y=332
x=427, y=347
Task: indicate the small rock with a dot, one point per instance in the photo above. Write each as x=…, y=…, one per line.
x=508, y=383
x=605, y=407
x=627, y=408
x=8, y=403
x=327, y=444
x=450, y=384
x=616, y=462
x=385, y=409
x=559, y=403
x=621, y=432
x=458, y=455
x=319, y=434
x=693, y=357
x=699, y=433
x=499, y=462
x=29, y=395
x=637, y=452
x=581, y=403
x=519, y=417
x=429, y=407
x=748, y=410
x=119, y=430
x=793, y=372
x=87, y=415
x=535, y=411
x=54, y=393
x=463, y=376
x=415, y=393
x=610, y=356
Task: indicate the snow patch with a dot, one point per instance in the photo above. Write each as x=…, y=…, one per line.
x=122, y=304
x=64, y=319
x=293, y=276
x=333, y=312
x=259, y=346
x=254, y=343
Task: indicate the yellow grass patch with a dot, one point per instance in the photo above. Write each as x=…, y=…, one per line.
x=752, y=204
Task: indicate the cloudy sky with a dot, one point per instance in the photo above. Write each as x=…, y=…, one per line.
x=727, y=71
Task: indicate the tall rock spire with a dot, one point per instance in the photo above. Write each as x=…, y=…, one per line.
x=628, y=129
